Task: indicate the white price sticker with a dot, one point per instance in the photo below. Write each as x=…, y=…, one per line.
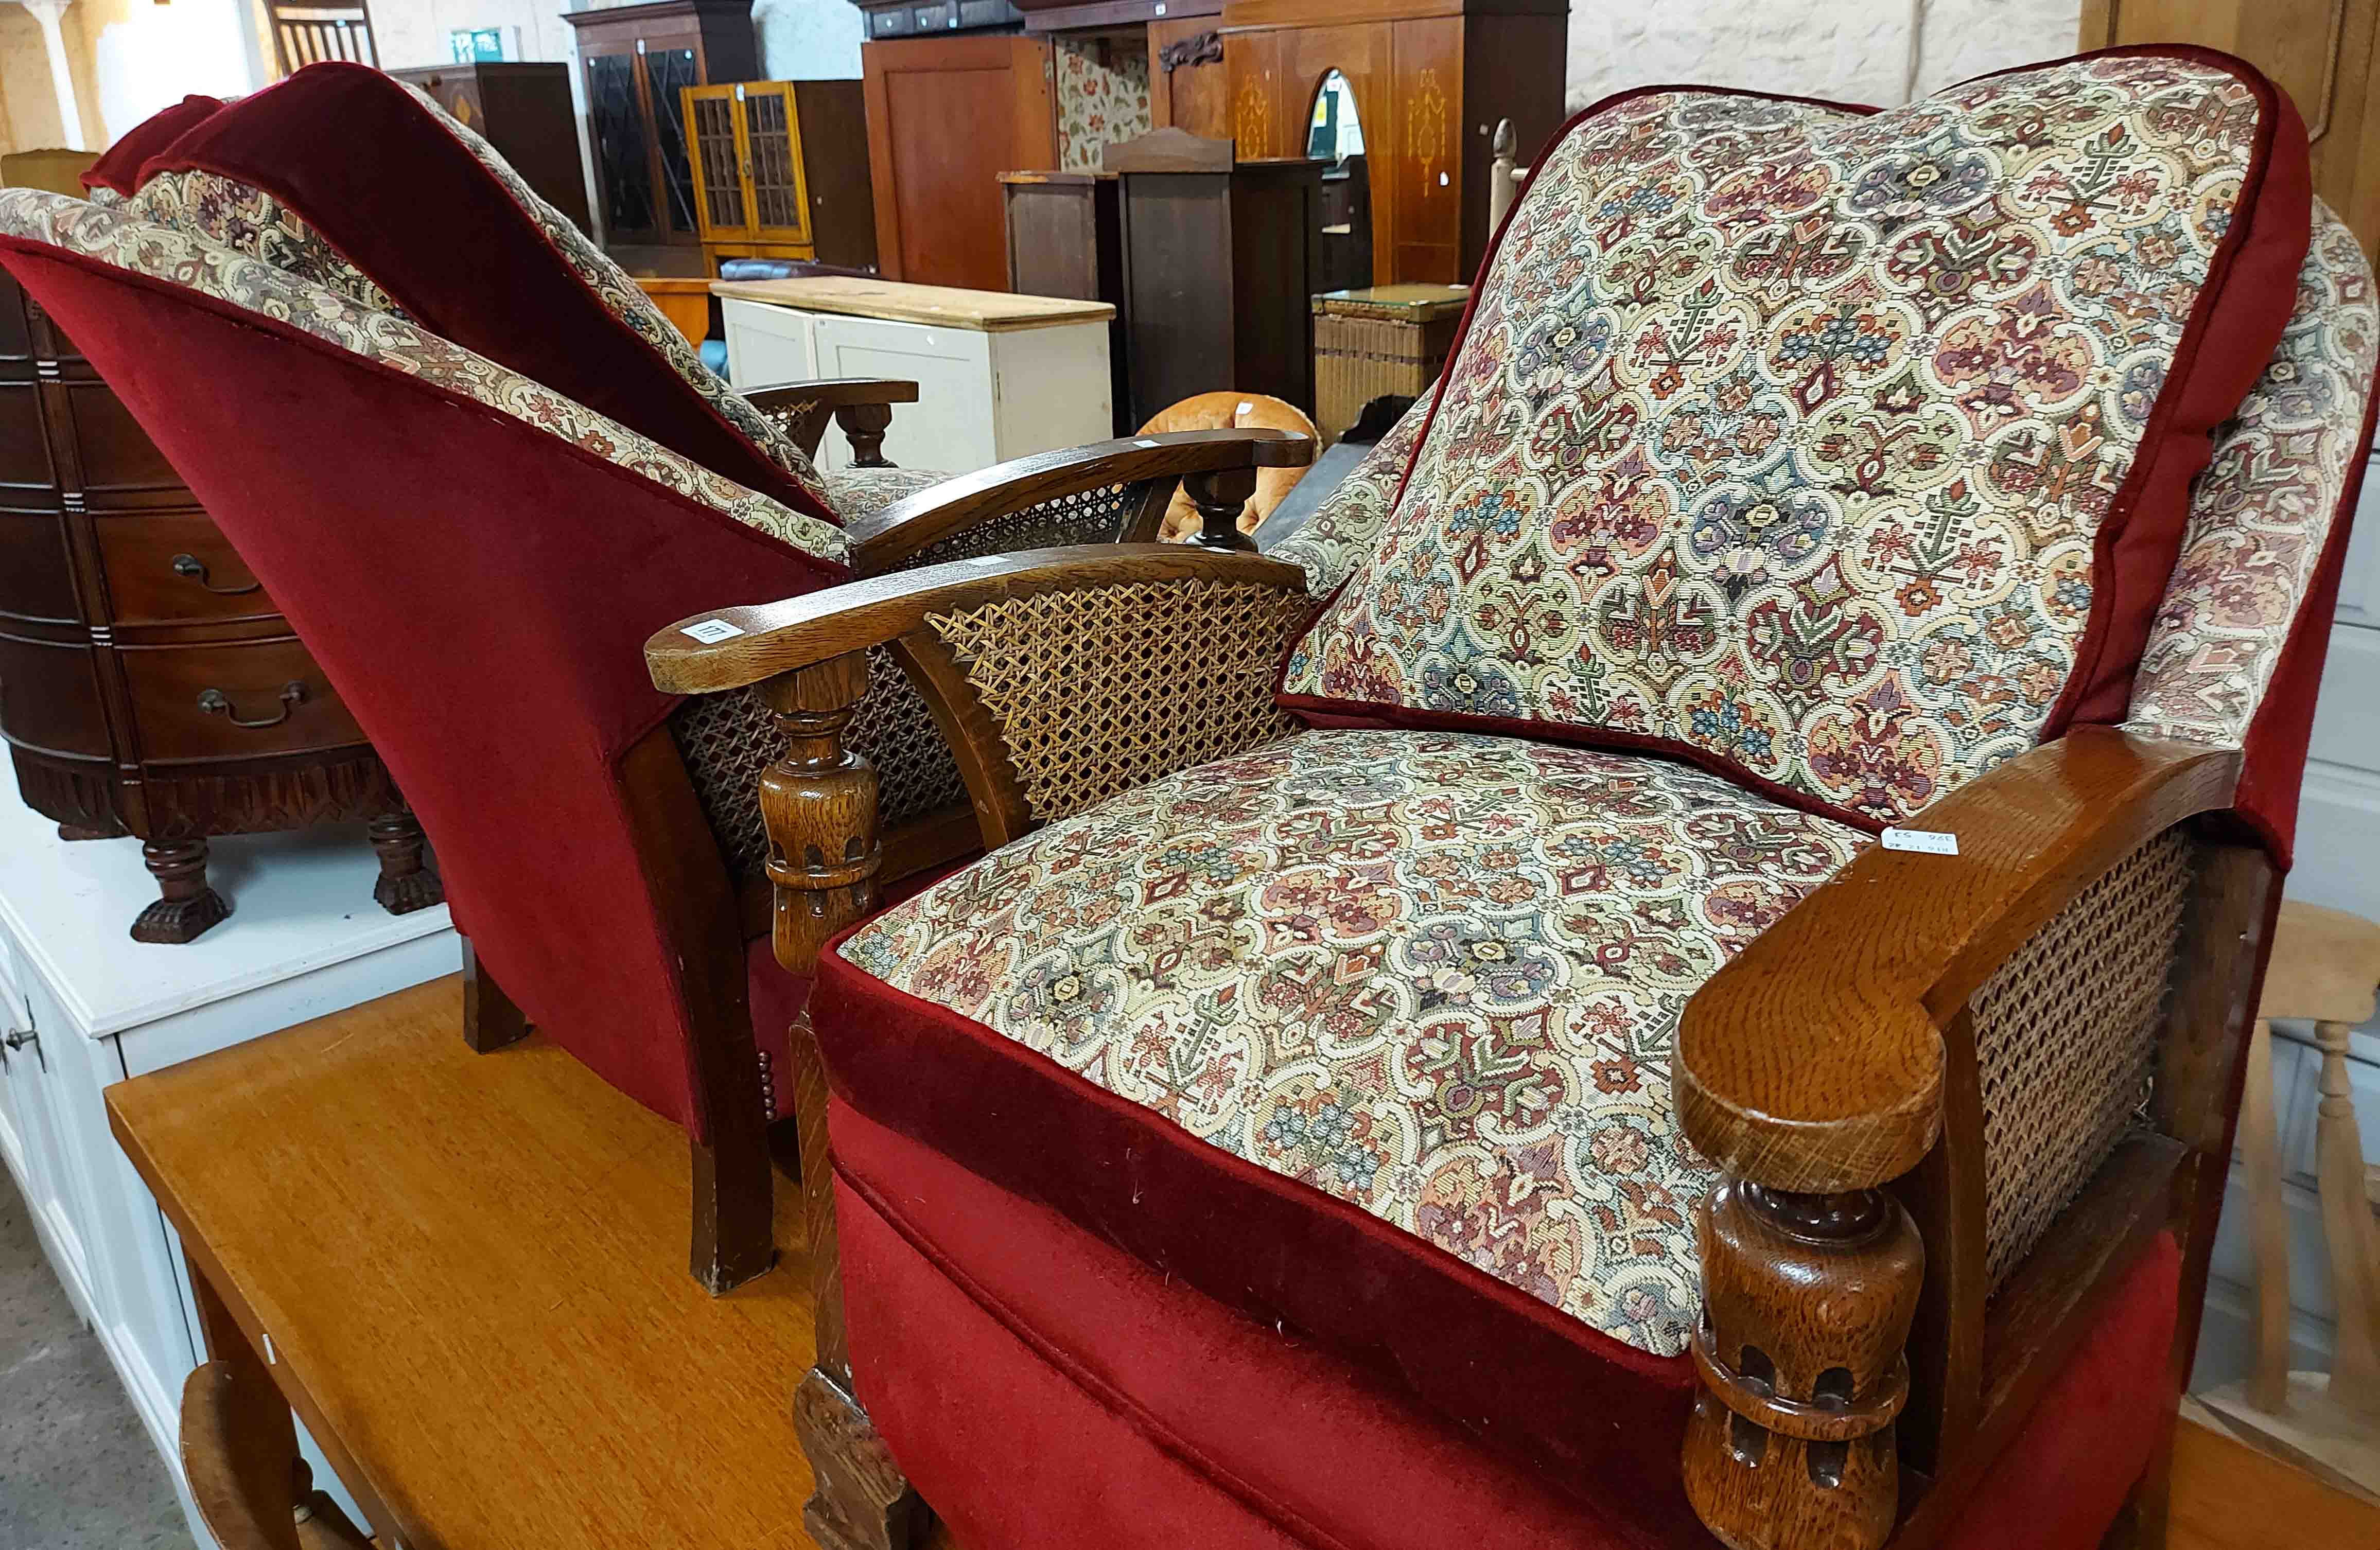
x=712, y=631
x=1923, y=840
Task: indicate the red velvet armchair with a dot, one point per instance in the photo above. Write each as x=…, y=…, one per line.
x=1687, y=979
x=475, y=559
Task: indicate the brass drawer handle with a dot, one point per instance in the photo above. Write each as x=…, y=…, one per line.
x=191, y=567
x=215, y=702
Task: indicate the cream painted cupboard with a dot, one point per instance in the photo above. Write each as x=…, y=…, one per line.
x=998, y=376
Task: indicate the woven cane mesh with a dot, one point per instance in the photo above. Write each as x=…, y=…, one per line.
x=915, y=772
x=1089, y=516
x=2065, y=1036
x=727, y=740
x=1103, y=690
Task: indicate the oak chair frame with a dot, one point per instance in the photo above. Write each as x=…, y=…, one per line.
x=709, y=917
x=1829, y=1069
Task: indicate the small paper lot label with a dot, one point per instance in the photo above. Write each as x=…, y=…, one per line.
x=1923, y=840
x=712, y=631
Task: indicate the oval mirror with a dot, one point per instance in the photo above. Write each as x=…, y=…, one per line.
x=1335, y=134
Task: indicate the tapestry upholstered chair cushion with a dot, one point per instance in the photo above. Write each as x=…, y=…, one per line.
x=1841, y=455
x=338, y=162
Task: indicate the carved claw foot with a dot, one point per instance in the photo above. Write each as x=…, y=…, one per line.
x=406, y=883
x=189, y=907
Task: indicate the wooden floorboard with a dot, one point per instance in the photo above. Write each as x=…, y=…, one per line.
x=2229, y=1496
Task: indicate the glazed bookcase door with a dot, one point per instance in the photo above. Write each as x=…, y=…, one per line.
x=623, y=154
x=668, y=72
x=772, y=130
x=722, y=201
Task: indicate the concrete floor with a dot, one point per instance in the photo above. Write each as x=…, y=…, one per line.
x=77, y=1469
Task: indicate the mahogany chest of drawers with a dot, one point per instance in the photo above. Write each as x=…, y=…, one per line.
x=146, y=684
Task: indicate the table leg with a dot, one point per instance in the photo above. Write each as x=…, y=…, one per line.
x=239, y=1447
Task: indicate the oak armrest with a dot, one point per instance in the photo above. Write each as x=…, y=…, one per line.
x=907, y=528
x=830, y=393
x=862, y=405
x=773, y=638
x=1813, y=1062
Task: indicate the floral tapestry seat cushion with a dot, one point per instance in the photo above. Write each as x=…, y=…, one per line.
x=501, y=271
x=1843, y=452
x=1404, y=995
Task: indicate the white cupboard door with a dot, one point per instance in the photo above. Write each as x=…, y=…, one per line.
x=1050, y=388
x=949, y=428
x=767, y=347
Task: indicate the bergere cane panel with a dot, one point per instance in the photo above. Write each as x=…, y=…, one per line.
x=2065, y=1039
x=727, y=740
x=893, y=726
x=1088, y=516
x=1181, y=675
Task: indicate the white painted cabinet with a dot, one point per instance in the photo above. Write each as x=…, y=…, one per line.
x=82, y=1006
x=998, y=376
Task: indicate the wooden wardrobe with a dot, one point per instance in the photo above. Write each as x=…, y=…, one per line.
x=2320, y=50
x=947, y=116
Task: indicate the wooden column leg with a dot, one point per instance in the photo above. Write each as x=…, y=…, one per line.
x=490, y=1021
x=1792, y=1443
x=820, y=805
x=404, y=884
x=2348, y=1228
x=187, y=906
x=862, y=426
x=1221, y=497
x=2268, y=1386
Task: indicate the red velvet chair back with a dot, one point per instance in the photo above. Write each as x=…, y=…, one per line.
x=463, y=246
x=478, y=592
x=119, y=167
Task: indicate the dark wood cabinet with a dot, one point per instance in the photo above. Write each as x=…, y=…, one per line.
x=1430, y=78
x=1220, y=262
x=147, y=686
x=1066, y=238
x=946, y=116
x=638, y=60
x=523, y=111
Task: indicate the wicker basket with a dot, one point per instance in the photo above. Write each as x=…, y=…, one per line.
x=1381, y=339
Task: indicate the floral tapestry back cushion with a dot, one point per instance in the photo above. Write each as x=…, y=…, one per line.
x=1842, y=452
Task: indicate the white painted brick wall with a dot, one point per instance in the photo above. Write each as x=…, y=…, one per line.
x=1852, y=50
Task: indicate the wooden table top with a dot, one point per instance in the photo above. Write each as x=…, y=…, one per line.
x=473, y=1272
x=982, y=311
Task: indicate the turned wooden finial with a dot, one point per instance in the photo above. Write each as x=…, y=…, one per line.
x=1220, y=496
x=1808, y=1301
x=819, y=801
x=862, y=426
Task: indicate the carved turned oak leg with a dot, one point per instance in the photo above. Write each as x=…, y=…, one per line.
x=187, y=906
x=1808, y=1302
x=490, y=1021
x=820, y=805
x=1221, y=497
x=864, y=426
x=404, y=884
